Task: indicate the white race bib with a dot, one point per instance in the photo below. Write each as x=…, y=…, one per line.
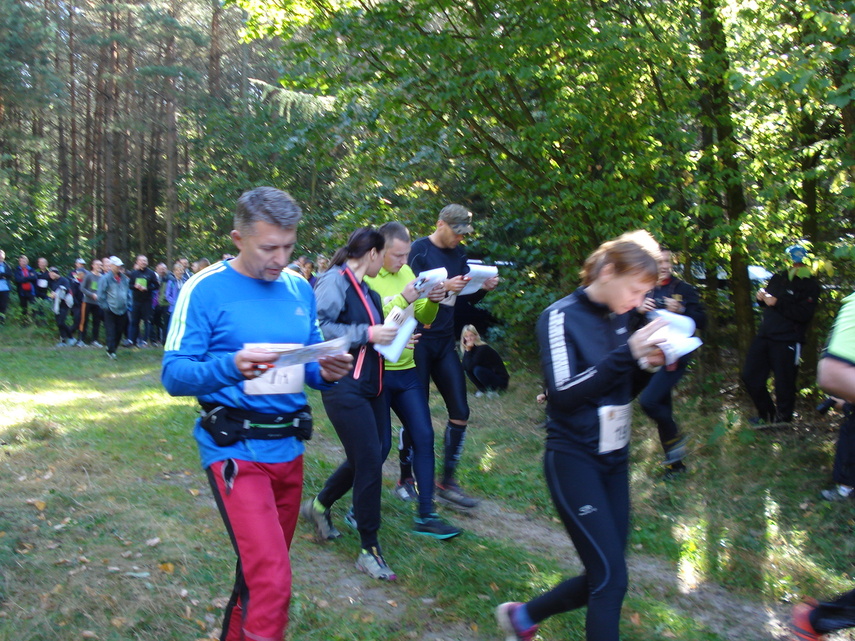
x=615, y=422
x=280, y=379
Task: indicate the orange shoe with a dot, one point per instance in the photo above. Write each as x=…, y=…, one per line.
x=802, y=627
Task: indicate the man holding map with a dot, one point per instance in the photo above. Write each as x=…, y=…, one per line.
x=436, y=357
x=678, y=297
x=230, y=325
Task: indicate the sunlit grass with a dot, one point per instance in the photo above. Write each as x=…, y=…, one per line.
x=98, y=459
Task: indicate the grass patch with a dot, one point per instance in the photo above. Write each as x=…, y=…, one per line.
x=107, y=525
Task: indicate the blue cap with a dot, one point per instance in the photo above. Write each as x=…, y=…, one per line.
x=797, y=253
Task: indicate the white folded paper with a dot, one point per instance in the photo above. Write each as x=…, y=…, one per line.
x=429, y=279
x=478, y=274
x=300, y=355
x=405, y=321
x=678, y=334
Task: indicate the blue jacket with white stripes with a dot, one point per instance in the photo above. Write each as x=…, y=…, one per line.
x=587, y=365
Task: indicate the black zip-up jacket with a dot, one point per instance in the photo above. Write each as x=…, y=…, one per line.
x=681, y=291
x=485, y=356
x=788, y=318
x=152, y=285
x=587, y=364
x=349, y=308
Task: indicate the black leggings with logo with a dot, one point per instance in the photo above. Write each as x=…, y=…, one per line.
x=592, y=499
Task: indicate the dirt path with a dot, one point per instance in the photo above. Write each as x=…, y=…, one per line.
x=338, y=585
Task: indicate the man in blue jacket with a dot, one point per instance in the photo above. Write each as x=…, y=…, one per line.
x=254, y=418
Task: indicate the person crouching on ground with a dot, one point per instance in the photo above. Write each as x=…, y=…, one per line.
x=482, y=363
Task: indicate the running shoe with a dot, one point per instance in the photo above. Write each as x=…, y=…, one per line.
x=837, y=493
x=350, y=518
x=321, y=519
x=434, y=526
x=374, y=565
x=676, y=450
x=452, y=495
x=674, y=470
x=111, y=355
x=96, y=344
x=802, y=627
x=504, y=617
x=406, y=490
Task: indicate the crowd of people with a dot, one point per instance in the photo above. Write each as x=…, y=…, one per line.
x=601, y=346
x=133, y=305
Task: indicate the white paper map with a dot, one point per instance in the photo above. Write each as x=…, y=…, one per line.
x=429, y=279
x=405, y=321
x=478, y=274
x=300, y=355
x=678, y=334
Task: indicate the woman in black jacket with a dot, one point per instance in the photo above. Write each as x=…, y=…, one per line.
x=593, y=368
x=482, y=363
x=355, y=406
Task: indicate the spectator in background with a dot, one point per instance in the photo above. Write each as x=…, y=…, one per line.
x=677, y=297
x=25, y=281
x=79, y=263
x=322, y=263
x=789, y=302
x=144, y=286
x=173, y=287
x=185, y=264
x=76, y=281
x=90, y=314
x=113, y=296
x=6, y=278
x=309, y=272
x=482, y=363
x=200, y=264
x=43, y=281
x=59, y=290
x=160, y=319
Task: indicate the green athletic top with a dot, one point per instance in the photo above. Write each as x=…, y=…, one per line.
x=390, y=286
x=841, y=343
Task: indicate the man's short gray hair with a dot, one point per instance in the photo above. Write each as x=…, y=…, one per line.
x=266, y=204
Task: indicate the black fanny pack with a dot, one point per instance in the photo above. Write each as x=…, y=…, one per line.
x=228, y=425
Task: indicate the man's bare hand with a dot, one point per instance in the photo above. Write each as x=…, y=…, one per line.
x=456, y=284
x=252, y=363
x=491, y=283
x=437, y=293
x=647, y=306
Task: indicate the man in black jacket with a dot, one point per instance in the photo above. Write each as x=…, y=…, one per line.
x=678, y=297
x=789, y=302
x=144, y=285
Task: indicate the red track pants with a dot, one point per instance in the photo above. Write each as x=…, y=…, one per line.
x=260, y=512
